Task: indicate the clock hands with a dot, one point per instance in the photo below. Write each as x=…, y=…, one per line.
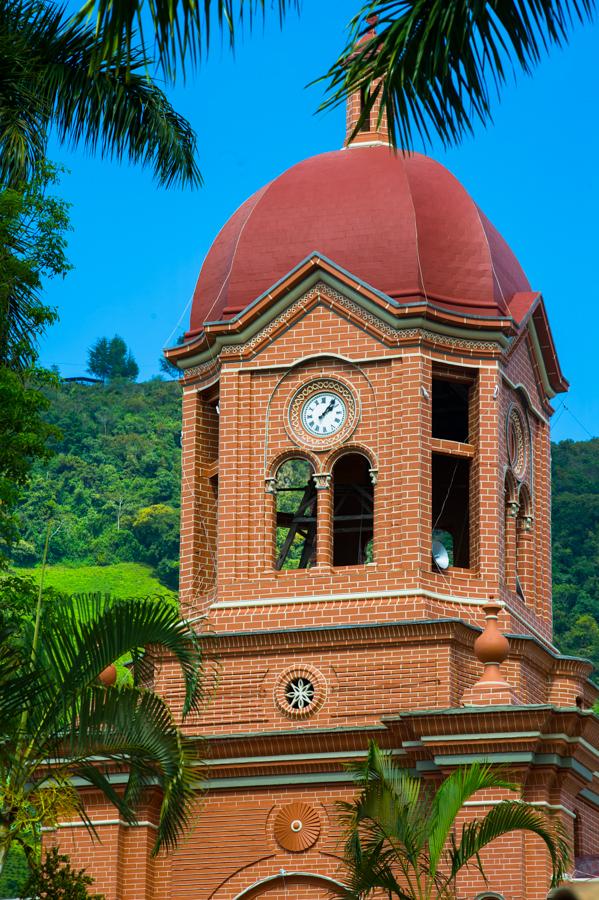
x=328, y=409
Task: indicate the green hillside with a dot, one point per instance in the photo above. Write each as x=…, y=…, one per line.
x=112, y=490
x=126, y=579
x=576, y=547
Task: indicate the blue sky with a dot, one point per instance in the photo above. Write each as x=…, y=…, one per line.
x=137, y=249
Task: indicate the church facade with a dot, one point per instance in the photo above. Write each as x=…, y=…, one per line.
x=367, y=384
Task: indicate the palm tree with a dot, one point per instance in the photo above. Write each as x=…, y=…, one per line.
x=402, y=838
x=71, y=725
x=51, y=78
x=433, y=63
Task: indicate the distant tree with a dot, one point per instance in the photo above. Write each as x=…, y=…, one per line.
x=111, y=359
x=156, y=528
x=167, y=367
x=54, y=879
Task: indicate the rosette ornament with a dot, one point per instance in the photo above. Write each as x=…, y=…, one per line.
x=297, y=826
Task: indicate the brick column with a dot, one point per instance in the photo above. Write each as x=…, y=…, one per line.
x=324, y=528
x=526, y=562
x=198, y=500
x=411, y=547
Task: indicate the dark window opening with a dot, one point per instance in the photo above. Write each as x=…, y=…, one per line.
x=296, y=516
x=446, y=539
x=365, y=126
x=450, y=410
x=353, y=511
x=451, y=504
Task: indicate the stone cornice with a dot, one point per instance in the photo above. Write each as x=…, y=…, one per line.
x=425, y=741
x=391, y=321
x=400, y=631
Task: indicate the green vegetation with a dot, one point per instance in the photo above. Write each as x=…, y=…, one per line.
x=55, y=879
x=15, y=872
x=112, y=487
x=32, y=248
x=58, y=83
x=111, y=359
x=59, y=702
x=402, y=838
x=576, y=547
x=119, y=580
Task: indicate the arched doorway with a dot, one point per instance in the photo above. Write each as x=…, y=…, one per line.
x=293, y=886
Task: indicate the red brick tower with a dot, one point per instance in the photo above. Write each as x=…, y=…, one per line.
x=367, y=371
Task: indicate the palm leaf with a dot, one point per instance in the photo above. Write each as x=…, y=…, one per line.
x=400, y=840
x=435, y=64
x=132, y=731
x=507, y=816
x=451, y=797
x=89, y=632
x=181, y=29
x=19, y=690
x=52, y=76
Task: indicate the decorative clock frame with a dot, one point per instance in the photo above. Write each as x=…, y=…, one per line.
x=294, y=423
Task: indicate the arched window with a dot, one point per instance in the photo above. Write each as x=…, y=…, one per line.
x=524, y=546
x=353, y=511
x=489, y=896
x=511, y=507
x=296, y=515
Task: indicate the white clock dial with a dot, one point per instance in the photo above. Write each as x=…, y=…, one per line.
x=324, y=414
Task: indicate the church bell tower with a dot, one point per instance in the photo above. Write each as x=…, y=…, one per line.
x=365, y=536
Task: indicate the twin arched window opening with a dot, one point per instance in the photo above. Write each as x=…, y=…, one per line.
x=518, y=539
x=297, y=511
x=350, y=501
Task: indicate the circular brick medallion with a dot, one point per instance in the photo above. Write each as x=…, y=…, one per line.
x=297, y=826
x=300, y=691
x=301, y=399
x=517, y=442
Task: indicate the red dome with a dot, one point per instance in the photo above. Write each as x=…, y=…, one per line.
x=402, y=224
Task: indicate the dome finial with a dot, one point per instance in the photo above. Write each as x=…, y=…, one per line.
x=372, y=131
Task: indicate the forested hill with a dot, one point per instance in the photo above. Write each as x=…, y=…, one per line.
x=113, y=491
x=112, y=488
x=576, y=547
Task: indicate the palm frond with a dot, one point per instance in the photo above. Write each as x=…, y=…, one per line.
x=133, y=731
x=19, y=689
x=181, y=30
x=52, y=76
x=436, y=64
x=391, y=803
x=507, y=816
x=89, y=632
x=451, y=797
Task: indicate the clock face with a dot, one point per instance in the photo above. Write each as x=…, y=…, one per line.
x=324, y=414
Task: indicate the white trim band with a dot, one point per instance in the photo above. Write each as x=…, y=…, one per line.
x=99, y=822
